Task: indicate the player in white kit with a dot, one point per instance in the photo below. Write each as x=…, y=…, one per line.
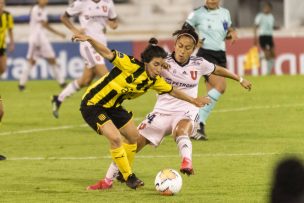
x=171, y=115
x=39, y=44
x=94, y=16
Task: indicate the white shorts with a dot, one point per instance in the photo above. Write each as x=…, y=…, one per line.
x=41, y=48
x=157, y=125
x=90, y=55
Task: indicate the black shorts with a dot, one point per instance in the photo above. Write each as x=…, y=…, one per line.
x=266, y=42
x=2, y=51
x=216, y=57
x=97, y=116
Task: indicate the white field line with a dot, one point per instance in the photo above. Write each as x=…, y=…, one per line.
x=257, y=154
x=141, y=118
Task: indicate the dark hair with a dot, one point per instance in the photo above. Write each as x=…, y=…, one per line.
x=288, y=181
x=187, y=32
x=152, y=51
x=269, y=4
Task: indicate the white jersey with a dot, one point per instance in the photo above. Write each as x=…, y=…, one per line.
x=37, y=16
x=185, y=78
x=93, y=16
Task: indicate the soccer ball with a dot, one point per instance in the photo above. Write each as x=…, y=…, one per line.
x=168, y=182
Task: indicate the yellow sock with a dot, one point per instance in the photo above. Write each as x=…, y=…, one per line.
x=120, y=158
x=131, y=151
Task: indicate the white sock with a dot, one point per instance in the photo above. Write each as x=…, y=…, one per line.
x=57, y=73
x=25, y=74
x=185, y=146
x=68, y=90
x=112, y=172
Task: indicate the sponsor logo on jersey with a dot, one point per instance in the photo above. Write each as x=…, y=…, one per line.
x=105, y=8
x=193, y=75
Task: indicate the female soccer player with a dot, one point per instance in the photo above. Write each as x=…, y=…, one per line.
x=93, y=15
x=264, y=23
x=213, y=24
x=172, y=115
x=101, y=104
x=39, y=44
x=7, y=25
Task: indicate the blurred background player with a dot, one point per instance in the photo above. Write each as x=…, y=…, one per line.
x=264, y=24
x=171, y=115
x=101, y=105
x=93, y=15
x=213, y=24
x=39, y=44
x=7, y=25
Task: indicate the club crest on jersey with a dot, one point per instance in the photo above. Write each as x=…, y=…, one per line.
x=193, y=75
x=105, y=8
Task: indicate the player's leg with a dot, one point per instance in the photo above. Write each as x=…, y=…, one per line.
x=25, y=73
x=58, y=75
x=216, y=86
x=100, y=70
x=72, y=88
x=3, y=59
x=181, y=134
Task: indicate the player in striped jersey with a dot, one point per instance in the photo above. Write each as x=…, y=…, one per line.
x=6, y=25
x=101, y=104
x=172, y=115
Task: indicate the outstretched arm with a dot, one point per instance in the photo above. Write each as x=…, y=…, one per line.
x=65, y=19
x=199, y=101
x=100, y=48
x=227, y=74
x=48, y=27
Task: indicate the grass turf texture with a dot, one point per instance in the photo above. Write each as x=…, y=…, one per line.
x=249, y=132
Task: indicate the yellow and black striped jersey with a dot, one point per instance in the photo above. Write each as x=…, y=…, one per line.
x=127, y=80
x=6, y=23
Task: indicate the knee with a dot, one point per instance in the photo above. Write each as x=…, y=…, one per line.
x=115, y=142
x=84, y=82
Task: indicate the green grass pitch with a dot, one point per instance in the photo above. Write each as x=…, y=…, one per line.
x=52, y=160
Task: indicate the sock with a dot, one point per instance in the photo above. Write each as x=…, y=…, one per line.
x=131, y=151
x=119, y=156
x=270, y=64
x=185, y=146
x=68, y=90
x=112, y=172
x=57, y=74
x=206, y=110
x=25, y=74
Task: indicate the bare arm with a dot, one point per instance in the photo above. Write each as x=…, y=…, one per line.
x=65, y=19
x=199, y=101
x=227, y=74
x=100, y=48
x=48, y=27
x=113, y=23
x=11, y=40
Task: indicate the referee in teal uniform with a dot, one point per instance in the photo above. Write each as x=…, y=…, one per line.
x=213, y=23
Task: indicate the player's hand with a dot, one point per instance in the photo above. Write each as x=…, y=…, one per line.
x=233, y=36
x=201, y=101
x=80, y=38
x=11, y=47
x=246, y=84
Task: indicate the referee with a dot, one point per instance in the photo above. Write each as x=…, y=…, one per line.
x=213, y=24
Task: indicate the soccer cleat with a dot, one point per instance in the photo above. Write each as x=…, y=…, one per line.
x=21, y=88
x=120, y=177
x=62, y=85
x=200, y=133
x=186, y=167
x=133, y=182
x=55, y=104
x=101, y=185
x=2, y=158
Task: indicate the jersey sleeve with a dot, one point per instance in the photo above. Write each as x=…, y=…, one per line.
x=206, y=68
x=192, y=19
x=10, y=21
x=161, y=86
x=75, y=8
x=123, y=61
x=112, y=11
x=257, y=19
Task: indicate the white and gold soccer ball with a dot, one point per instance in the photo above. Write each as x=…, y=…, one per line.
x=168, y=182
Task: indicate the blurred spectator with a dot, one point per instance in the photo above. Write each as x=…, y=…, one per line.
x=288, y=183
